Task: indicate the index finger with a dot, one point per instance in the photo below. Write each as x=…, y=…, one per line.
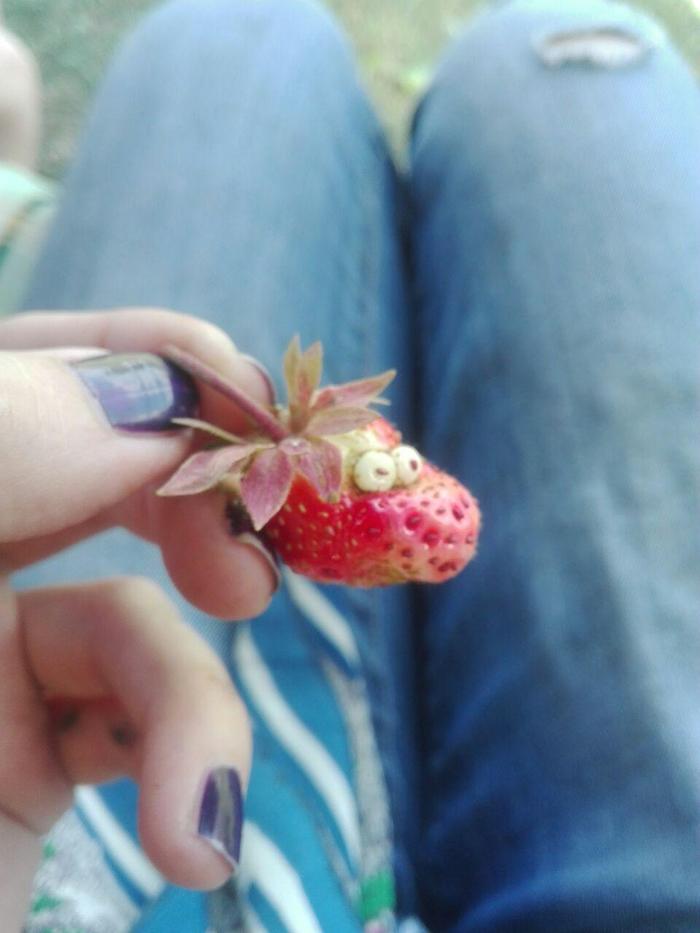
x=147, y=329
x=123, y=640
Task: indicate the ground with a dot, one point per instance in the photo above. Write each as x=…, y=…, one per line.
x=397, y=42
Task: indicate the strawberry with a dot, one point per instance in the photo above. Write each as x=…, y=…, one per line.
x=328, y=484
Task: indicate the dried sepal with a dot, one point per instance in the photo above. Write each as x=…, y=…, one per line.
x=259, y=473
x=265, y=485
x=359, y=393
x=207, y=428
x=290, y=365
x=322, y=464
x=309, y=375
x=319, y=461
x=331, y=421
x=205, y=469
x=261, y=416
x=302, y=373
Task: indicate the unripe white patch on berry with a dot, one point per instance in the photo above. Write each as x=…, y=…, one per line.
x=375, y=471
x=408, y=464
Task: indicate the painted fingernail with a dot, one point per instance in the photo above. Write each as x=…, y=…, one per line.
x=221, y=813
x=263, y=372
x=139, y=391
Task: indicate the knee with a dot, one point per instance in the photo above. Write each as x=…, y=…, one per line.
x=530, y=65
x=228, y=37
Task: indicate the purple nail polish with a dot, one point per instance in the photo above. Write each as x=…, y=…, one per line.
x=139, y=391
x=221, y=813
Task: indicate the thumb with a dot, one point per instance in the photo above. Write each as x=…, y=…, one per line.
x=78, y=438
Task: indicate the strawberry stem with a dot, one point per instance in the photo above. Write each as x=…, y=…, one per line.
x=267, y=423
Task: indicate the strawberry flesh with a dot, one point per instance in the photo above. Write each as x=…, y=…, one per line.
x=423, y=533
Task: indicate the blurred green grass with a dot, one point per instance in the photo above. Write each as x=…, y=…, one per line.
x=397, y=42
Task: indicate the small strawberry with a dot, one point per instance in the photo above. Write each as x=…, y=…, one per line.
x=328, y=484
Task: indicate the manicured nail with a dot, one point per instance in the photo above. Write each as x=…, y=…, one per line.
x=221, y=813
x=139, y=391
x=263, y=372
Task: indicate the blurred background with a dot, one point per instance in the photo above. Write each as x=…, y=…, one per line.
x=396, y=40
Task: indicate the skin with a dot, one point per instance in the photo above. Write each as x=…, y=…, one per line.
x=117, y=647
x=20, y=108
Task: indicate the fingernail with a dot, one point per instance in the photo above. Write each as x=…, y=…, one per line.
x=253, y=541
x=221, y=813
x=139, y=391
x=263, y=372
x=73, y=354
x=241, y=528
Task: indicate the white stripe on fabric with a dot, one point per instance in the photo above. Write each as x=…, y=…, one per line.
x=321, y=612
x=306, y=750
x=119, y=844
x=268, y=869
x=253, y=923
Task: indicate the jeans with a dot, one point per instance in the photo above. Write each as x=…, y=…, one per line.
x=533, y=276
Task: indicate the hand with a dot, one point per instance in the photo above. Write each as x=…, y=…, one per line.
x=140, y=694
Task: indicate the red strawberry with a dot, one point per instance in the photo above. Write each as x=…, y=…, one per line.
x=329, y=485
x=424, y=533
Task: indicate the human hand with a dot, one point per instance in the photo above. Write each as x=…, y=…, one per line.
x=140, y=694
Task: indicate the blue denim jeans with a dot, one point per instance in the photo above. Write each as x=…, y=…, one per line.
x=534, y=277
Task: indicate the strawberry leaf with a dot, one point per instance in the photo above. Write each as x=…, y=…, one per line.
x=205, y=469
x=339, y=420
x=359, y=393
x=322, y=464
x=265, y=485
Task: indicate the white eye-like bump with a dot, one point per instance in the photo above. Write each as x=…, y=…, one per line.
x=408, y=464
x=375, y=471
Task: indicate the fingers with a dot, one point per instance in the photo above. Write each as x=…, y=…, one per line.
x=147, y=329
x=223, y=576
x=152, y=700
x=72, y=474
x=33, y=786
x=63, y=461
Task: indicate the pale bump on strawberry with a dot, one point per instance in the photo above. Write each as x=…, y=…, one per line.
x=328, y=484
